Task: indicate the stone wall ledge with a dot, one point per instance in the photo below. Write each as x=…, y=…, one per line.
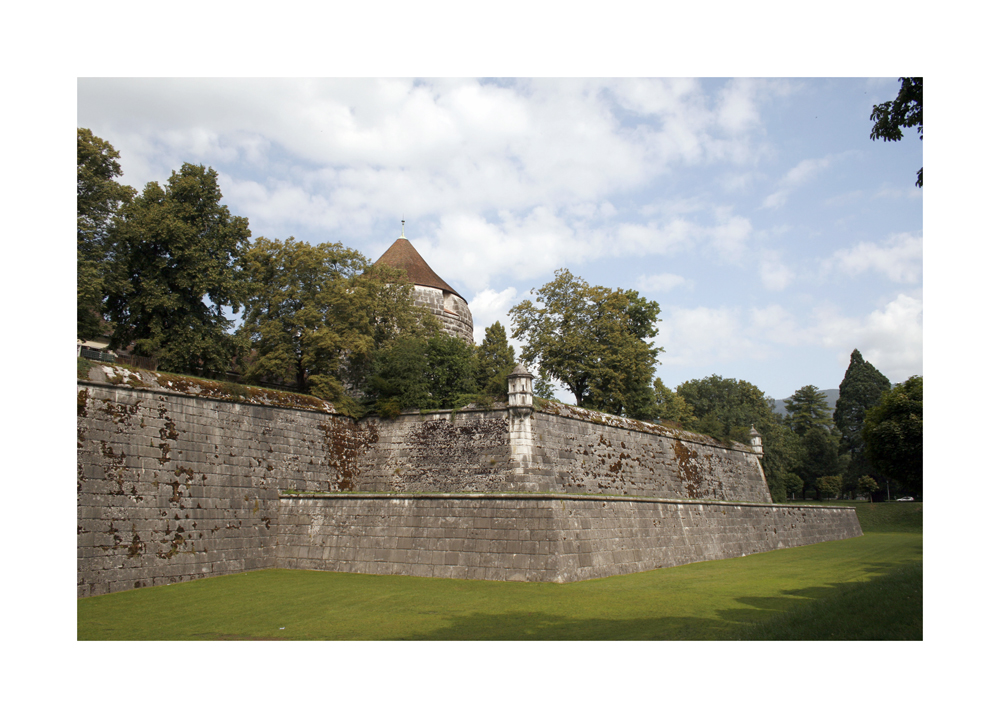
x=162, y=391
x=347, y=496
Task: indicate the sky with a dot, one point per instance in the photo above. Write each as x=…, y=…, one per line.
x=774, y=234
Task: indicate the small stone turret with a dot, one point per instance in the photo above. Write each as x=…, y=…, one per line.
x=755, y=441
x=520, y=400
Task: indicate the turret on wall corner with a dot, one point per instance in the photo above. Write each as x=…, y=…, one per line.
x=520, y=400
x=755, y=442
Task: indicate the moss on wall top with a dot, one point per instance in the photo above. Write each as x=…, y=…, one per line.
x=116, y=374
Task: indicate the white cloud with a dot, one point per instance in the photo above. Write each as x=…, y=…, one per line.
x=891, y=338
x=488, y=307
x=805, y=171
x=364, y=148
x=777, y=324
x=705, y=335
x=660, y=282
x=900, y=258
x=774, y=274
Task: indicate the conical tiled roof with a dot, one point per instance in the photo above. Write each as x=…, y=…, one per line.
x=403, y=256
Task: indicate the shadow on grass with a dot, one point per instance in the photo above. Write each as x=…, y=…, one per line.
x=889, y=606
x=536, y=626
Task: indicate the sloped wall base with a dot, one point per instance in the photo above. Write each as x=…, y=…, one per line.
x=533, y=537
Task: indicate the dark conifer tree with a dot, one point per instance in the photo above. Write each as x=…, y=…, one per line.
x=860, y=390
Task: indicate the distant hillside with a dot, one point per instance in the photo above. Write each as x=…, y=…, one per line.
x=831, y=401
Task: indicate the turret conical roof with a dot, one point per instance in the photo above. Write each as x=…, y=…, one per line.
x=403, y=256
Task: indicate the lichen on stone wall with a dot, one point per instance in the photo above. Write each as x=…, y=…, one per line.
x=344, y=443
x=442, y=455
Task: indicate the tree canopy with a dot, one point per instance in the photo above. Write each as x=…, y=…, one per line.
x=176, y=252
x=593, y=340
x=907, y=110
x=807, y=409
x=99, y=199
x=422, y=372
x=893, y=434
x=494, y=361
x=670, y=406
x=314, y=312
x=860, y=390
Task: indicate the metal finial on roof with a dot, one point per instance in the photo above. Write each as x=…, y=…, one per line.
x=402, y=232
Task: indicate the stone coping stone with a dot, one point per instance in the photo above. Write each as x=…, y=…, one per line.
x=329, y=409
x=346, y=496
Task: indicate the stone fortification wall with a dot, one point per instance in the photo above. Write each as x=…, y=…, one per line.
x=447, y=451
x=537, y=537
x=449, y=309
x=171, y=487
x=574, y=450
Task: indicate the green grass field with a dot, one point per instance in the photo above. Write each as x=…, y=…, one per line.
x=866, y=588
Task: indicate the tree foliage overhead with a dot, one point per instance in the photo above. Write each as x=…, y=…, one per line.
x=314, y=312
x=494, y=361
x=593, y=340
x=99, y=199
x=860, y=390
x=907, y=110
x=807, y=409
x=894, y=434
x=176, y=255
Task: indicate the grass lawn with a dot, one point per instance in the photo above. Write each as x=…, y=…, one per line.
x=866, y=588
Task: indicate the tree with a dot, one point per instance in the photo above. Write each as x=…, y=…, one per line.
x=894, y=435
x=593, y=340
x=807, y=409
x=793, y=485
x=726, y=408
x=176, y=253
x=860, y=390
x=543, y=388
x=314, y=311
x=99, y=199
x=819, y=457
x=907, y=110
x=669, y=406
x=867, y=485
x=417, y=372
x=495, y=361
x=827, y=486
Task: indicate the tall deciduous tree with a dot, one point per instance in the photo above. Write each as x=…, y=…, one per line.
x=593, y=340
x=860, y=390
x=176, y=253
x=907, y=110
x=894, y=435
x=312, y=310
x=807, y=409
x=99, y=199
x=494, y=360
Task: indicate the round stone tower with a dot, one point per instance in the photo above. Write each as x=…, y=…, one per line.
x=429, y=290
